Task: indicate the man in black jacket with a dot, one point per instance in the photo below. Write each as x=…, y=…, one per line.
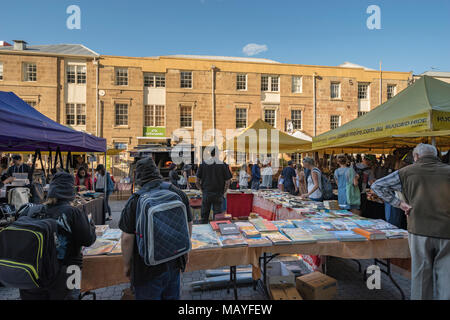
x=76, y=231
x=162, y=281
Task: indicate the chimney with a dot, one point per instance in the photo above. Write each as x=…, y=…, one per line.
x=20, y=45
x=4, y=44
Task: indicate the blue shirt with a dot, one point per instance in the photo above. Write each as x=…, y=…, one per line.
x=288, y=173
x=256, y=173
x=341, y=176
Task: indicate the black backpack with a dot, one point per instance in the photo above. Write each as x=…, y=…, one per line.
x=28, y=256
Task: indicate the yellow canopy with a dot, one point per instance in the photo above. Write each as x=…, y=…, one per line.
x=421, y=110
x=262, y=138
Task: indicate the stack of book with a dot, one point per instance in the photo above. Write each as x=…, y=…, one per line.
x=204, y=237
x=348, y=236
x=227, y=229
x=370, y=234
x=232, y=241
x=276, y=237
x=215, y=224
x=298, y=235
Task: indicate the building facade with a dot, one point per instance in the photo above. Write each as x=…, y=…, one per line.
x=132, y=101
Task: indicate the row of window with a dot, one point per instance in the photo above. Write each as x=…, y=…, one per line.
x=269, y=83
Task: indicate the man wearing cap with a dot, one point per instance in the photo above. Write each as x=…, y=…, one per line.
x=18, y=166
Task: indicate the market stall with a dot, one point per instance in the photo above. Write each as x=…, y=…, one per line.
x=24, y=129
x=420, y=113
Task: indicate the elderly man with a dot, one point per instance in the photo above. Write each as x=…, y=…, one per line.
x=426, y=187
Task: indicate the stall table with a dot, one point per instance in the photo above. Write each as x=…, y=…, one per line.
x=239, y=204
x=95, y=207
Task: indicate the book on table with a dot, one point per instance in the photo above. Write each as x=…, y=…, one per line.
x=323, y=236
x=117, y=249
x=229, y=229
x=100, y=246
x=283, y=224
x=231, y=241
x=204, y=237
x=298, y=235
x=259, y=242
x=264, y=225
x=112, y=234
x=395, y=233
x=371, y=234
x=276, y=237
x=348, y=236
x=215, y=224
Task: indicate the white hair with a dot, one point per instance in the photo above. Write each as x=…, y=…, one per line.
x=423, y=150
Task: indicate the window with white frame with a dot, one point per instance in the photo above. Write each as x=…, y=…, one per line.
x=186, y=116
x=76, y=74
x=1, y=70
x=335, y=90
x=75, y=114
x=270, y=116
x=241, y=81
x=154, y=116
x=363, y=91
x=391, y=90
x=241, y=118
x=29, y=72
x=361, y=113
x=186, y=79
x=296, y=157
x=335, y=122
x=121, y=114
x=121, y=76
x=270, y=83
x=155, y=80
x=296, y=84
x=296, y=118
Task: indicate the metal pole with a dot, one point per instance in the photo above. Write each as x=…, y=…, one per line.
x=381, y=84
x=314, y=105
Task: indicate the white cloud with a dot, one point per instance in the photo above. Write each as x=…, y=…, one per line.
x=252, y=49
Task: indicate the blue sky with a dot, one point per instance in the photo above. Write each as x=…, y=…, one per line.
x=414, y=34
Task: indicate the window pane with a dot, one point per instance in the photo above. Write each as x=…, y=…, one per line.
x=241, y=118
x=335, y=122
x=264, y=83
x=81, y=114
x=296, y=84
x=269, y=116
x=335, y=90
x=391, y=91
x=186, y=116
x=1, y=71
x=186, y=79
x=361, y=113
x=274, y=83
x=296, y=118
x=81, y=74
x=362, y=91
x=159, y=116
x=121, y=77
x=121, y=114
x=30, y=72
x=160, y=80
x=241, y=82
x=70, y=74
x=70, y=114
x=149, y=80
x=149, y=111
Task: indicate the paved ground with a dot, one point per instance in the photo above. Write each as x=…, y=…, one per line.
x=350, y=283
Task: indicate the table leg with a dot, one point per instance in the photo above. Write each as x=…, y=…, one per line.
x=234, y=272
x=388, y=272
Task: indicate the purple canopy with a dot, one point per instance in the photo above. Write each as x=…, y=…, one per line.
x=23, y=128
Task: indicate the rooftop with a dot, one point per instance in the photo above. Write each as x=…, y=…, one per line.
x=240, y=59
x=353, y=65
x=439, y=74
x=57, y=49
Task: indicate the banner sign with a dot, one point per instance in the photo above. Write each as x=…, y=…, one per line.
x=154, y=132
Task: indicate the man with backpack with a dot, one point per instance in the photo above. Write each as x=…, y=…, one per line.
x=56, y=232
x=157, y=225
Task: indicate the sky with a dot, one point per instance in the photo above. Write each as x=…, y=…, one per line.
x=414, y=35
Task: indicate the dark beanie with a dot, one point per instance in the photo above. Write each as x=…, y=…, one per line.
x=146, y=171
x=62, y=187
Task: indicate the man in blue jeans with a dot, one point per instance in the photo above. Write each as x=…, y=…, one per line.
x=162, y=281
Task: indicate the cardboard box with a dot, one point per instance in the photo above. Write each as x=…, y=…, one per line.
x=316, y=286
x=284, y=292
x=278, y=274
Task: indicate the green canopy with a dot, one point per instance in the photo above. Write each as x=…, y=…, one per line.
x=421, y=110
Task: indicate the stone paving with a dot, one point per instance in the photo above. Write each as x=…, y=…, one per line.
x=350, y=283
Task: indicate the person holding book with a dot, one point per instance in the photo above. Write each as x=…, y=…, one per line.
x=156, y=282
x=83, y=179
x=426, y=188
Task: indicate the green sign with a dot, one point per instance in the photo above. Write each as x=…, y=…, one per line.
x=154, y=132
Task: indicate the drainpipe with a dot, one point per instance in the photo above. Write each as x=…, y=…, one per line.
x=213, y=101
x=96, y=96
x=314, y=105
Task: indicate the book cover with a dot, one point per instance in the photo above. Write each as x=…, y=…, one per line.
x=283, y=224
x=259, y=242
x=231, y=241
x=100, y=246
x=371, y=234
x=264, y=225
x=395, y=233
x=250, y=232
x=215, y=224
x=203, y=237
x=112, y=234
x=117, y=248
x=323, y=236
x=101, y=229
x=349, y=236
x=380, y=224
x=298, y=235
x=277, y=238
x=228, y=229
